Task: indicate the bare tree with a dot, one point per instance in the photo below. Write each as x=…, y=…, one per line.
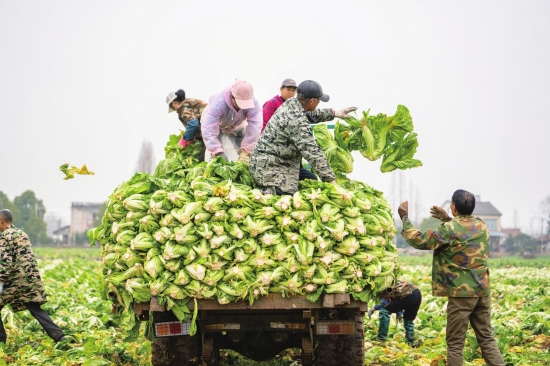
x=146, y=158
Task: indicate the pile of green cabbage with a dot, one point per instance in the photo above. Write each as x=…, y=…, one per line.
x=390, y=138
x=201, y=230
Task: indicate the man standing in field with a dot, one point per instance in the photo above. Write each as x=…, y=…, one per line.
x=20, y=283
x=459, y=271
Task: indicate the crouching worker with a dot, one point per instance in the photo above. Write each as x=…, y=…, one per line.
x=21, y=285
x=404, y=298
x=189, y=113
x=232, y=122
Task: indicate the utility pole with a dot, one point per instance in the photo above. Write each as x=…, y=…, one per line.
x=541, y=233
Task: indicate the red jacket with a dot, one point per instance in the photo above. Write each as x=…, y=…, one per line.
x=270, y=107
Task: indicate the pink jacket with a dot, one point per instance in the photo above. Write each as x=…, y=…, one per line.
x=270, y=107
x=221, y=117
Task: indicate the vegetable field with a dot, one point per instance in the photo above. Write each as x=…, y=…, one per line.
x=72, y=277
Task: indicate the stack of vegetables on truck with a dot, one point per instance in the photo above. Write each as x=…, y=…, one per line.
x=203, y=231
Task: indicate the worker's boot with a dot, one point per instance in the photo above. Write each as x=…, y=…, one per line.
x=409, y=332
x=384, y=318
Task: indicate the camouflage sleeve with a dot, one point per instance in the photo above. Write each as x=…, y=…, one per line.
x=303, y=138
x=322, y=115
x=190, y=109
x=6, y=258
x=428, y=240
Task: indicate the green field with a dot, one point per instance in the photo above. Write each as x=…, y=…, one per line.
x=72, y=277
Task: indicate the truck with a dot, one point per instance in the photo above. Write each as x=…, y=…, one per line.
x=329, y=331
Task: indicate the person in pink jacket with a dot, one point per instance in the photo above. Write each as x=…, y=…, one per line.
x=288, y=90
x=233, y=111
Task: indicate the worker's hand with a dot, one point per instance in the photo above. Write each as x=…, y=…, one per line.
x=244, y=157
x=370, y=312
x=399, y=317
x=183, y=143
x=403, y=209
x=333, y=181
x=439, y=213
x=222, y=154
x=343, y=113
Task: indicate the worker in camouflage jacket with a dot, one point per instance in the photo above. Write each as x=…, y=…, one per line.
x=459, y=272
x=275, y=161
x=404, y=299
x=21, y=285
x=189, y=113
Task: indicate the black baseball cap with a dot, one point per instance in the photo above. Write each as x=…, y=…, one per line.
x=312, y=89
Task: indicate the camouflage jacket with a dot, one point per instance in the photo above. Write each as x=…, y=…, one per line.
x=275, y=161
x=190, y=109
x=402, y=289
x=19, y=271
x=461, y=249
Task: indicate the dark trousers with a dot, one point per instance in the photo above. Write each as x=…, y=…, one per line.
x=43, y=318
x=477, y=312
x=304, y=174
x=409, y=304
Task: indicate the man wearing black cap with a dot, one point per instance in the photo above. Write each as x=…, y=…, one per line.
x=275, y=161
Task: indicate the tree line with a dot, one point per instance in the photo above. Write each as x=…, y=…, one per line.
x=28, y=215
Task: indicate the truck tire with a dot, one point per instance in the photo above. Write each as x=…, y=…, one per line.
x=175, y=351
x=339, y=350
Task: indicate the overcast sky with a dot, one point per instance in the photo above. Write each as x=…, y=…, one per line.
x=84, y=82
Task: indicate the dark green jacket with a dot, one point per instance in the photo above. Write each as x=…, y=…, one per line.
x=461, y=249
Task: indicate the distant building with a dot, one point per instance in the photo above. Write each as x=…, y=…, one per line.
x=544, y=242
x=62, y=234
x=488, y=213
x=82, y=217
x=53, y=223
x=512, y=232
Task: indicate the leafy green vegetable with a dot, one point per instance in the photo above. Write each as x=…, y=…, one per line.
x=374, y=136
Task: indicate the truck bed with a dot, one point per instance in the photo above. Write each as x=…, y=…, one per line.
x=272, y=301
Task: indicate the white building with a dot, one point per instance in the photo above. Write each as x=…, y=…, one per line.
x=83, y=215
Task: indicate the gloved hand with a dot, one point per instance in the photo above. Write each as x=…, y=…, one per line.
x=439, y=213
x=343, y=113
x=399, y=317
x=403, y=209
x=223, y=156
x=244, y=157
x=370, y=312
x=183, y=143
